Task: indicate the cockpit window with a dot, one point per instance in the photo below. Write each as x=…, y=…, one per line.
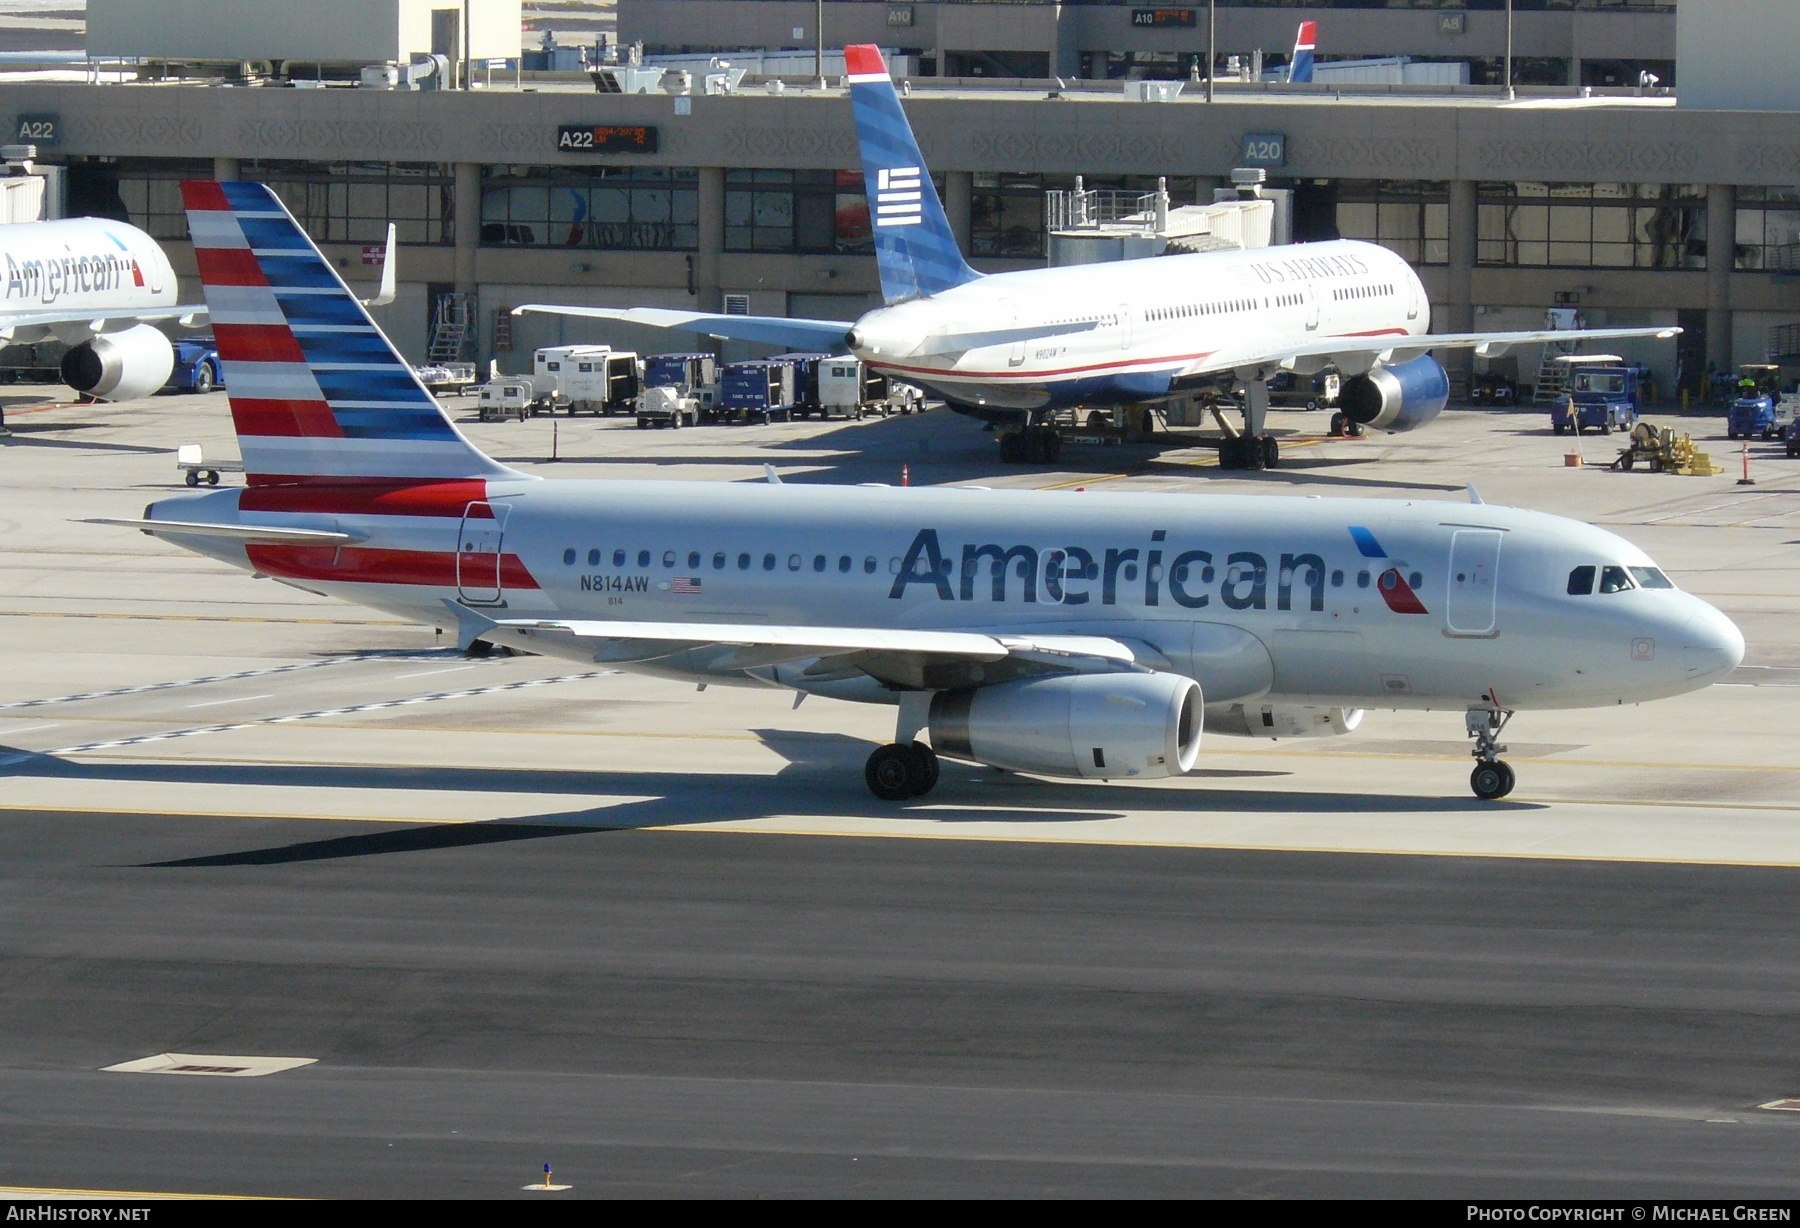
x=1650, y=577
x=1581, y=581
x=1614, y=580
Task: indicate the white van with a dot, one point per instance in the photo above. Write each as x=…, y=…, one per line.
x=554, y=365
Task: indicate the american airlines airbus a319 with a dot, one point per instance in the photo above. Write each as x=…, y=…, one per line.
x=1068, y=634
x=1013, y=347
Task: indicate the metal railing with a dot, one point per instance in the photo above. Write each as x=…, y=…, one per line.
x=1084, y=209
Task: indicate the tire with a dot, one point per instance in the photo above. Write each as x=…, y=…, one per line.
x=1557, y=427
x=193, y=478
x=1731, y=434
x=1053, y=446
x=929, y=767
x=1011, y=452
x=204, y=378
x=1627, y=461
x=1606, y=428
x=643, y=424
x=1340, y=424
x=1271, y=452
x=212, y=477
x=893, y=773
x=1491, y=781
x=676, y=420
x=1356, y=429
x=1312, y=404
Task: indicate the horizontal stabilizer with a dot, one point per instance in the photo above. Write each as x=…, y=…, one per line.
x=827, y=335
x=249, y=534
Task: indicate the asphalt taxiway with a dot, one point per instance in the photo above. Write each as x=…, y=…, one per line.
x=521, y=911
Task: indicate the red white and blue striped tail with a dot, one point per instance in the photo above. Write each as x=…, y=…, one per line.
x=318, y=392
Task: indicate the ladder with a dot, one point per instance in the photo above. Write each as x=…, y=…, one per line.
x=1553, y=376
x=503, y=341
x=450, y=329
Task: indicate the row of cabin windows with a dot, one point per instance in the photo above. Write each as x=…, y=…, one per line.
x=1614, y=579
x=1188, y=311
x=1345, y=293
x=721, y=560
x=845, y=565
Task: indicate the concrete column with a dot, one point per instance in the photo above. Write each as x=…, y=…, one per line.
x=1206, y=185
x=712, y=239
x=1721, y=248
x=467, y=205
x=1459, y=297
x=225, y=170
x=959, y=190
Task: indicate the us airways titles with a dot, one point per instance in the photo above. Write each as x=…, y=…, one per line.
x=1075, y=575
x=1308, y=268
x=47, y=280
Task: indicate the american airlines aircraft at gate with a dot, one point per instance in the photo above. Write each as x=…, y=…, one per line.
x=1012, y=347
x=1063, y=633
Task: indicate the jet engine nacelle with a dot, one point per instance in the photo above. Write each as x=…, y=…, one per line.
x=1092, y=725
x=1398, y=398
x=1282, y=721
x=120, y=366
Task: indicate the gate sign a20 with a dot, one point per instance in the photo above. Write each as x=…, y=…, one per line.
x=1265, y=149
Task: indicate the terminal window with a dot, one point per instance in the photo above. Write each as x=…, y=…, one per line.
x=1599, y=225
x=1411, y=218
x=796, y=211
x=1768, y=229
x=621, y=208
x=353, y=202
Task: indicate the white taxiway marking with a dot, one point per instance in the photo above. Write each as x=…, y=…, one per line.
x=209, y=679
x=454, y=669
x=377, y=706
x=242, y=699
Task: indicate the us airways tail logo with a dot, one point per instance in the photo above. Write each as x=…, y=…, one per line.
x=898, y=200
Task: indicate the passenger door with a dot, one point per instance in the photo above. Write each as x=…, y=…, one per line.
x=478, y=554
x=1474, y=582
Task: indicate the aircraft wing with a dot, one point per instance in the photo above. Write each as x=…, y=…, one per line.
x=827, y=335
x=94, y=323
x=1357, y=354
x=905, y=658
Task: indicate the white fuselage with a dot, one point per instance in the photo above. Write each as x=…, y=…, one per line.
x=1137, y=326
x=1364, y=603
x=80, y=265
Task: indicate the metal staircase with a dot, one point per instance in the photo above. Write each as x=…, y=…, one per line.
x=1553, y=376
x=451, y=326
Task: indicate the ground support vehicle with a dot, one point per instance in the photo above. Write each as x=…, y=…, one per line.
x=902, y=399
x=1491, y=389
x=1604, y=394
x=603, y=384
x=667, y=405
x=197, y=366
x=1663, y=451
x=448, y=378
x=848, y=389
x=806, y=382
x=506, y=396
x=1292, y=391
x=192, y=461
x=551, y=366
x=694, y=374
x=1758, y=410
x=757, y=391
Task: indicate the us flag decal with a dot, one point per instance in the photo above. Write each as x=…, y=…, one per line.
x=685, y=584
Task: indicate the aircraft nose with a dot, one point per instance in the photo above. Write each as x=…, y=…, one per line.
x=1711, y=645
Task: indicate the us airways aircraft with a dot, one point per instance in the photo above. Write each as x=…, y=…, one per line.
x=1012, y=347
x=1062, y=633
x=94, y=285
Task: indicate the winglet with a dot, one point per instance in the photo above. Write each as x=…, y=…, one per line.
x=389, y=287
x=770, y=476
x=1474, y=495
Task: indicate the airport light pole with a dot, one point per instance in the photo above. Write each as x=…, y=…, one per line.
x=466, y=74
x=1509, y=46
x=819, y=42
x=1212, y=43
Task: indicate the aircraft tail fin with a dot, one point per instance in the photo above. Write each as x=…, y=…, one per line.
x=318, y=392
x=914, y=247
x=1300, y=68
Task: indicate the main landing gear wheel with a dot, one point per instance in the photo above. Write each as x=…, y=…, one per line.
x=1031, y=445
x=1249, y=452
x=896, y=773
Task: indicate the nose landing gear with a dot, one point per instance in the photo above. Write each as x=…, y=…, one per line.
x=1493, y=778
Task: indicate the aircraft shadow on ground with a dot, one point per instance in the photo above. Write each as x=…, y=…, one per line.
x=822, y=779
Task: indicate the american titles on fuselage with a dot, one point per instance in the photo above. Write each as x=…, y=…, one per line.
x=48, y=280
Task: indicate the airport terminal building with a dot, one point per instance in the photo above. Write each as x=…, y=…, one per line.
x=1632, y=209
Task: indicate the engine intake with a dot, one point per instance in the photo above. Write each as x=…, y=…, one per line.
x=1398, y=398
x=1088, y=725
x=120, y=366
